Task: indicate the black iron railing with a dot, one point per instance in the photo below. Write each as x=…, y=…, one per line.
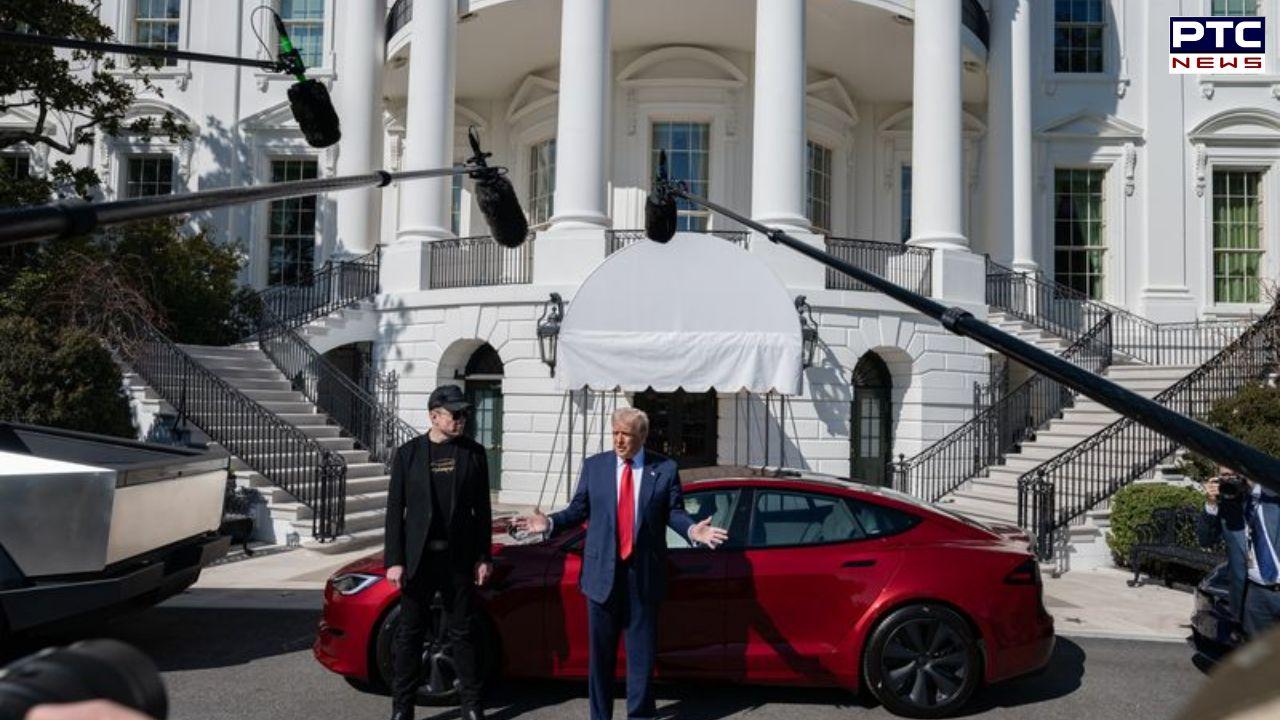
x=985, y=440
x=280, y=452
x=615, y=240
x=907, y=265
x=1069, y=313
x=373, y=425
x=1067, y=485
x=399, y=16
x=337, y=284
x=478, y=262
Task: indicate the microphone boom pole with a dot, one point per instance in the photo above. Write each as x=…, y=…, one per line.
x=8, y=37
x=1210, y=442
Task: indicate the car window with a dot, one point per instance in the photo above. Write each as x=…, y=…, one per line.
x=877, y=520
x=714, y=504
x=783, y=519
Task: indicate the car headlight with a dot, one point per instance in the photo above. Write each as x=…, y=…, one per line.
x=353, y=583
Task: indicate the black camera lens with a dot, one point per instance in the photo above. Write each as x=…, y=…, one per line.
x=1230, y=487
x=88, y=670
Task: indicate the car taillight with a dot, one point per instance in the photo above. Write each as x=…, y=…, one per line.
x=1027, y=573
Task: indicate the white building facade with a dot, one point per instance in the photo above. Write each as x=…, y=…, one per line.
x=1048, y=136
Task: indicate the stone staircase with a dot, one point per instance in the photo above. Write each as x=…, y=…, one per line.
x=352, y=324
x=994, y=498
x=1024, y=330
x=249, y=370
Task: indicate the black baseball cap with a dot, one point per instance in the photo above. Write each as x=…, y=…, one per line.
x=448, y=397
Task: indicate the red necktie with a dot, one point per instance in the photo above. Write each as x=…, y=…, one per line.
x=626, y=514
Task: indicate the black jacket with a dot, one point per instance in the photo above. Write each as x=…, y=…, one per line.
x=470, y=522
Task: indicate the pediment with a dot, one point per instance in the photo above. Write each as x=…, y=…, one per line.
x=900, y=124
x=23, y=119
x=830, y=95
x=681, y=65
x=274, y=118
x=1088, y=126
x=1249, y=125
x=534, y=92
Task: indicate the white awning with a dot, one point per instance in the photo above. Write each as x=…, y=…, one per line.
x=695, y=313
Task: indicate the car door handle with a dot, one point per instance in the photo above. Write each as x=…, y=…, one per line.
x=858, y=563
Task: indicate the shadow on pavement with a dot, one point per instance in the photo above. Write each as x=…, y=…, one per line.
x=1062, y=676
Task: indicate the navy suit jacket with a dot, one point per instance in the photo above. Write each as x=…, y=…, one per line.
x=1230, y=526
x=596, y=501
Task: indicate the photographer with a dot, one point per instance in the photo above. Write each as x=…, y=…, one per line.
x=1246, y=517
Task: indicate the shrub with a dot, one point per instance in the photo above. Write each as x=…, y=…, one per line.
x=64, y=378
x=1134, y=505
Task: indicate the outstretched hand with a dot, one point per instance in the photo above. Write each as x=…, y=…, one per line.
x=535, y=523
x=704, y=533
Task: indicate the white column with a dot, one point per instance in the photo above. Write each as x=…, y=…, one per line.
x=1021, y=147
x=778, y=141
x=429, y=120
x=582, y=137
x=937, y=147
x=359, y=101
x=1008, y=147
x=428, y=143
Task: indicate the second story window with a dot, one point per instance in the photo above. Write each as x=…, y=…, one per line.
x=149, y=175
x=155, y=24
x=1237, y=236
x=455, y=206
x=1234, y=8
x=304, y=20
x=688, y=147
x=291, y=226
x=1079, y=28
x=904, y=210
x=1079, y=229
x=15, y=166
x=817, y=195
x=542, y=182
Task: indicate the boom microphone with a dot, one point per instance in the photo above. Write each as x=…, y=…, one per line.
x=496, y=198
x=87, y=670
x=308, y=99
x=660, y=206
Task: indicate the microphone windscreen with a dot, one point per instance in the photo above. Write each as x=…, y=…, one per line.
x=660, y=216
x=312, y=108
x=501, y=209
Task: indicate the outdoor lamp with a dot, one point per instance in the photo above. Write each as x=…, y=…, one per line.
x=549, y=330
x=808, y=330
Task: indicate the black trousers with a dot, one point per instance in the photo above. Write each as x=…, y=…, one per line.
x=456, y=587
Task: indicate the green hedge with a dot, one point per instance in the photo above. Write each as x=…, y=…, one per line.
x=1134, y=505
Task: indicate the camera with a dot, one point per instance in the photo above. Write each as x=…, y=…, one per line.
x=87, y=670
x=1230, y=487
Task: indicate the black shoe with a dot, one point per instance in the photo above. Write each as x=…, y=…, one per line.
x=402, y=713
x=472, y=713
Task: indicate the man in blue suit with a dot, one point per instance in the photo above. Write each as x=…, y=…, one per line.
x=629, y=496
x=1248, y=522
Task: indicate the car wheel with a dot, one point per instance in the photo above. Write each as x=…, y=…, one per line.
x=923, y=661
x=439, y=680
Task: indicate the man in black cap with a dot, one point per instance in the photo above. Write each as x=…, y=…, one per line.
x=438, y=538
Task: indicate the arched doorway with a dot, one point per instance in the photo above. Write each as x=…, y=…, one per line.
x=871, y=436
x=482, y=380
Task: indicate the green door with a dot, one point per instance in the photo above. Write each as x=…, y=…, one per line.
x=871, y=435
x=485, y=427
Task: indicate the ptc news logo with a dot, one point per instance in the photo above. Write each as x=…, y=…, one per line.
x=1218, y=45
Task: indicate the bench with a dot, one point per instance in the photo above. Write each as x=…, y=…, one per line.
x=1166, y=538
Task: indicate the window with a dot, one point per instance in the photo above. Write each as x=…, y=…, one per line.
x=291, y=234
x=715, y=504
x=1237, y=236
x=148, y=176
x=688, y=147
x=542, y=181
x=1079, y=230
x=155, y=25
x=1246, y=8
x=15, y=166
x=455, y=206
x=817, y=189
x=879, y=521
x=905, y=211
x=1078, y=32
x=304, y=21
x=791, y=518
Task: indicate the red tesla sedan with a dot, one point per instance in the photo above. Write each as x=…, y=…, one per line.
x=823, y=582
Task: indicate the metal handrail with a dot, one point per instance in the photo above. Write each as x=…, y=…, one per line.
x=283, y=454
x=615, y=240
x=906, y=265
x=969, y=450
x=1069, y=313
x=336, y=285
x=478, y=261
x=375, y=426
x=1062, y=488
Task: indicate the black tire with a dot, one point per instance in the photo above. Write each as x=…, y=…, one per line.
x=441, y=686
x=922, y=661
